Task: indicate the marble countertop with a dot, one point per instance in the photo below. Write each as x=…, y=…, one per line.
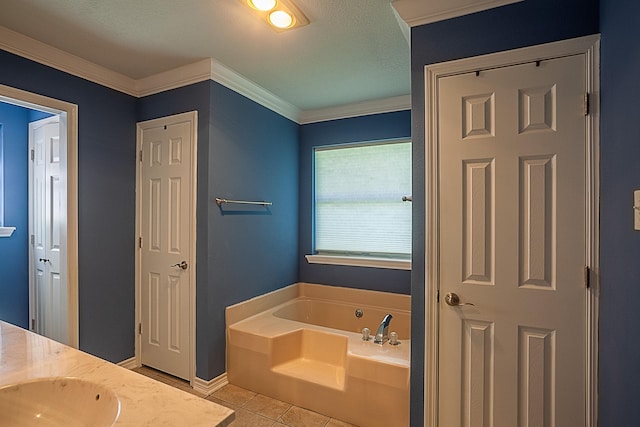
x=144, y=401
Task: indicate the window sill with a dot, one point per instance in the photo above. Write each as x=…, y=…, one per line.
x=394, y=264
x=6, y=231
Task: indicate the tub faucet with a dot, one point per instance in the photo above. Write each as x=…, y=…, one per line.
x=383, y=330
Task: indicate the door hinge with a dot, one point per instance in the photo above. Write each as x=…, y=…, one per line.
x=140, y=242
x=438, y=296
x=33, y=155
x=139, y=328
x=33, y=239
x=140, y=156
x=587, y=276
x=586, y=104
x=33, y=324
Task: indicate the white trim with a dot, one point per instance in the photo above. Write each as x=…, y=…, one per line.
x=589, y=46
x=394, y=264
x=68, y=127
x=593, y=235
x=130, y=363
x=418, y=12
x=45, y=54
x=234, y=81
x=387, y=105
x=192, y=117
x=209, y=387
x=201, y=386
x=206, y=69
x=209, y=69
x=175, y=78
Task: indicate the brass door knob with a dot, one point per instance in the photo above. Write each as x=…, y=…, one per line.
x=453, y=300
x=183, y=265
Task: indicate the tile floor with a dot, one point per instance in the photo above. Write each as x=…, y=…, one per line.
x=252, y=409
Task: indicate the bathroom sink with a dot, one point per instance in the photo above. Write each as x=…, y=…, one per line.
x=50, y=402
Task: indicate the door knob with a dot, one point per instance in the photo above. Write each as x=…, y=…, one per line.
x=183, y=265
x=454, y=300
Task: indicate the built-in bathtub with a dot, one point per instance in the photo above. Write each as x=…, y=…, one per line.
x=303, y=345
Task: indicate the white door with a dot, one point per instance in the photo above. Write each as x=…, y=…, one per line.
x=49, y=288
x=512, y=190
x=167, y=259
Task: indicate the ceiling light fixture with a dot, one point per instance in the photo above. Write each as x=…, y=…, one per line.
x=280, y=19
x=262, y=5
x=279, y=14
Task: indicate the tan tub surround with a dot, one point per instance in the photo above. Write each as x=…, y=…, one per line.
x=25, y=356
x=303, y=344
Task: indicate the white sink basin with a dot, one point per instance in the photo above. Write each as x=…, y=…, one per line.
x=50, y=402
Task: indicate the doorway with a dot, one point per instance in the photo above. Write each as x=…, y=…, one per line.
x=166, y=252
x=68, y=203
x=519, y=247
x=47, y=283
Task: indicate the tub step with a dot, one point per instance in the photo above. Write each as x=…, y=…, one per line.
x=324, y=374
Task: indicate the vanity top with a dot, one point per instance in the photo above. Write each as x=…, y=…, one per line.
x=25, y=356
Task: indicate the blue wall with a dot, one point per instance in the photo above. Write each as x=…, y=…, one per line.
x=14, y=251
x=35, y=115
x=522, y=24
x=619, y=244
x=195, y=97
x=358, y=129
x=106, y=193
x=245, y=152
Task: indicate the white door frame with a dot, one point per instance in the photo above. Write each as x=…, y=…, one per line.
x=69, y=229
x=590, y=46
x=192, y=117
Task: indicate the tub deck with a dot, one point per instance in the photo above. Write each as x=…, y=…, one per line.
x=328, y=370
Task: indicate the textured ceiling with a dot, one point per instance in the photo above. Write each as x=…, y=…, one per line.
x=352, y=51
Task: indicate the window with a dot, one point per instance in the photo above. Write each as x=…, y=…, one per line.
x=359, y=211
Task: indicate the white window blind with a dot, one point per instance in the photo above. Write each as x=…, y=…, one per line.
x=358, y=199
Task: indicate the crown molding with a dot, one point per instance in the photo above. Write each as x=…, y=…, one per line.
x=205, y=69
x=377, y=106
x=234, y=81
x=174, y=78
x=420, y=12
x=50, y=56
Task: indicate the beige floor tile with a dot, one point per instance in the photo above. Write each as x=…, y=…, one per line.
x=223, y=403
x=161, y=376
x=234, y=395
x=252, y=409
x=266, y=406
x=246, y=418
x=187, y=388
x=299, y=417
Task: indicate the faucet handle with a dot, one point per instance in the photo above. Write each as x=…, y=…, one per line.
x=365, y=334
x=393, y=338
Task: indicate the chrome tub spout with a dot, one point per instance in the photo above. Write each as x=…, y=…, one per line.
x=383, y=330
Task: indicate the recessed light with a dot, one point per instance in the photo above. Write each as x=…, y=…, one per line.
x=280, y=19
x=263, y=5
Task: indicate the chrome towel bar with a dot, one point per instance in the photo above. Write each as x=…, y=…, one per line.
x=220, y=201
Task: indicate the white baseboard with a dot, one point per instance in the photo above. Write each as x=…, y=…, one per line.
x=129, y=363
x=209, y=387
x=201, y=386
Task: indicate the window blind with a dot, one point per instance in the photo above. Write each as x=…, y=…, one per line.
x=358, y=199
